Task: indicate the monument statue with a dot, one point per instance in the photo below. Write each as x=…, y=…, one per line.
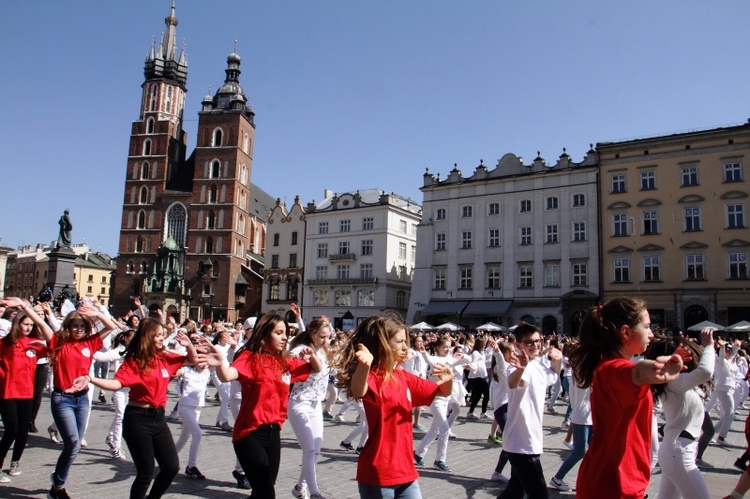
x=63, y=240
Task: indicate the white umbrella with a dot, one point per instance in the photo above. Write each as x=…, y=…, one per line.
x=705, y=324
x=739, y=326
x=512, y=328
x=449, y=326
x=491, y=327
x=422, y=326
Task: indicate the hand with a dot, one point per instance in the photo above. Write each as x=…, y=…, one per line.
x=521, y=360
x=213, y=358
x=228, y=338
x=295, y=309
x=183, y=339
x=88, y=310
x=13, y=302
x=80, y=383
x=137, y=302
x=667, y=367
x=306, y=353
x=685, y=354
x=442, y=371
x=170, y=320
x=46, y=308
x=363, y=355
x=554, y=353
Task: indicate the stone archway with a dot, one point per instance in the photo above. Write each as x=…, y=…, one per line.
x=549, y=325
x=695, y=314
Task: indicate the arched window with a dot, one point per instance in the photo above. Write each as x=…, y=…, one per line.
x=143, y=196
x=209, y=245
x=243, y=174
x=150, y=125
x=144, y=170
x=241, y=224
x=212, y=194
x=169, y=100
x=218, y=135
x=152, y=104
x=147, y=147
x=245, y=144
x=215, y=169
x=130, y=267
x=141, y=224
x=144, y=267
x=139, y=245
x=176, y=223
x=211, y=220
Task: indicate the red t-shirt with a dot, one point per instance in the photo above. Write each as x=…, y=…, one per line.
x=388, y=456
x=618, y=462
x=150, y=387
x=74, y=359
x=17, y=367
x=265, y=383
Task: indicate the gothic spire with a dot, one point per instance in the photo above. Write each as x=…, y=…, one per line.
x=164, y=64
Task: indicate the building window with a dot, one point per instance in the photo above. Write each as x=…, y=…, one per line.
x=367, y=247
x=322, y=250
x=525, y=205
x=209, y=245
x=738, y=265
x=143, y=195
x=735, y=216
x=292, y=290
x=525, y=276
x=579, y=200
x=345, y=225
x=551, y=275
x=276, y=238
x=322, y=227
x=365, y=270
x=618, y=183
x=342, y=272
x=494, y=208
x=343, y=298
x=650, y=222
x=651, y=268
x=621, y=269
x=320, y=297
x=732, y=172
x=368, y=223
x=413, y=253
x=440, y=214
x=440, y=242
x=689, y=175
x=274, y=261
x=344, y=247
x=366, y=298
x=467, y=211
x=692, y=219
x=218, y=136
x=466, y=239
x=465, y=278
x=438, y=281
x=400, y=299
x=150, y=125
x=293, y=260
x=552, y=233
x=141, y=222
x=402, y=251
x=294, y=238
x=580, y=274
x=321, y=272
x=147, y=147
x=215, y=170
x=493, y=277
x=648, y=181
x=525, y=235
x=211, y=220
x=144, y=171
x=620, y=225
x=402, y=226
x=695, y=269
x=213, y=194
x=494, y=238
x=579, y=231
x=552, y=203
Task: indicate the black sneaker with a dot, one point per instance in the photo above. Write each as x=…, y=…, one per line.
x=740, y=465
x=194, y=472
x=441, y=465
x=358, y=450
x=346, y=446
x=242, y=482
x=33, y=428
x=418, y=460
x=57, y=493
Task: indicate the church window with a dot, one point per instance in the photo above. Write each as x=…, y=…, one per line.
x=147, y=147
x=143, y=197
x=211, y=220
x=144, y=170
x=218, y=135
x=141, y=220
x=150, y=125
x=152, y=105
x=176, y=222
x=169, y=100
x=212, y=194
x=215, y=169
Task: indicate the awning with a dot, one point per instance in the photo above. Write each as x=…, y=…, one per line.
x=444, y=307
x=487, y=307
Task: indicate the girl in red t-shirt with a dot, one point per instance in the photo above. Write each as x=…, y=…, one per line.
x=618, y=462
x=265, y=371
x=147, y=371
x=370, y=369
x=19, y=351
x=73, y=349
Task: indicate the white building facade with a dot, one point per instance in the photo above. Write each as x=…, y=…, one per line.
x=518, y=242
x=360, y=256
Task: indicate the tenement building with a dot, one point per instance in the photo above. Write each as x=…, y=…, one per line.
x=674, y=224
x=511, y=243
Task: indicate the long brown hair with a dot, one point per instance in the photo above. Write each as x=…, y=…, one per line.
x=305, y=337
x=599, y=335
x=261, y=334
x=14, y=335
x=63, y=334
x=141, y=347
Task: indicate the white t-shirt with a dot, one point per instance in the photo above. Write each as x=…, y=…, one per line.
x=194, y=386
x=580, y=404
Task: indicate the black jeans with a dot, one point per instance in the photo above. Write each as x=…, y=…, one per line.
x=708, y=433
x=479, y=389
x=501, y=416
x=259, y=454
x=526, y=476
x=148, y=438
x=16, y=414
x=40, y=379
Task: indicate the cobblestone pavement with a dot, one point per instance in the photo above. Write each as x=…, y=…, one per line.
x=472, y=459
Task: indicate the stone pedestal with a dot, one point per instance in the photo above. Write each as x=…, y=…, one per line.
x=61, y=270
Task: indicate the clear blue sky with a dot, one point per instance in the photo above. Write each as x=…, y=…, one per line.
x=353, y=95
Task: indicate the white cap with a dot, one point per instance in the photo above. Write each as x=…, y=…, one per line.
x=249, y=323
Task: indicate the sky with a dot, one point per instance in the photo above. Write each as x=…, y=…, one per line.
x=353, y=94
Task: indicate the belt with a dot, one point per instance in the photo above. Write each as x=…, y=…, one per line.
x=685, y=434
x=73, y=394
x=156, y=411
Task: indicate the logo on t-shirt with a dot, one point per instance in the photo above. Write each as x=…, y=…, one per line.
x=30, y=354
x=286, y=377
x=164, y=373
x=86, y=352
x=408, y=395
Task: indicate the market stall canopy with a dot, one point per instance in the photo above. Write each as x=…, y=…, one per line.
x=705, y=324
x=491, y=327
x=422, y=326
x=449, y=326
x=741, y=326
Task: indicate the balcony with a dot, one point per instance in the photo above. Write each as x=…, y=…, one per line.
x=342, y=257
x=338, y=282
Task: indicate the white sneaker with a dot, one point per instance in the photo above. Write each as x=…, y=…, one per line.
x=339, y=418
x=173, y=416
x=15, y=468
x=84, y=443
x=569, y=445
x=300, y=492
x=471, y=415
x=722, y=443
x=4, y=478
x=484, y=415
x=118, y=454
x=499, y=477
x=559, y=485
x=703, y=464
x=451, y=434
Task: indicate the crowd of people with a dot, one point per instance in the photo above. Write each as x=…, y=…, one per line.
x=636, y=401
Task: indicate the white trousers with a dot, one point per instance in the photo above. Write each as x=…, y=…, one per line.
x=439, y=428
x=306, y=418
x=740, y=393
x=680, y=476
x=189, y=415
x=120, y=400
x=224, y=390
x=361, y=430
x=726, y=404
x=235, y=392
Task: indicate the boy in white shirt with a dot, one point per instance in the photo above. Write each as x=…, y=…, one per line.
x=528, y=379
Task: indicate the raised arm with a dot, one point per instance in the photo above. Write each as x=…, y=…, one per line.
x=660, y=370
x=361, y=373
x=93, y=313
x=29, y=310
x=216, y=360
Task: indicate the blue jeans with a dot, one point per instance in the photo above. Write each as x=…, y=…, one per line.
x=404, y=491
x=70, y=412
x=581, y=438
